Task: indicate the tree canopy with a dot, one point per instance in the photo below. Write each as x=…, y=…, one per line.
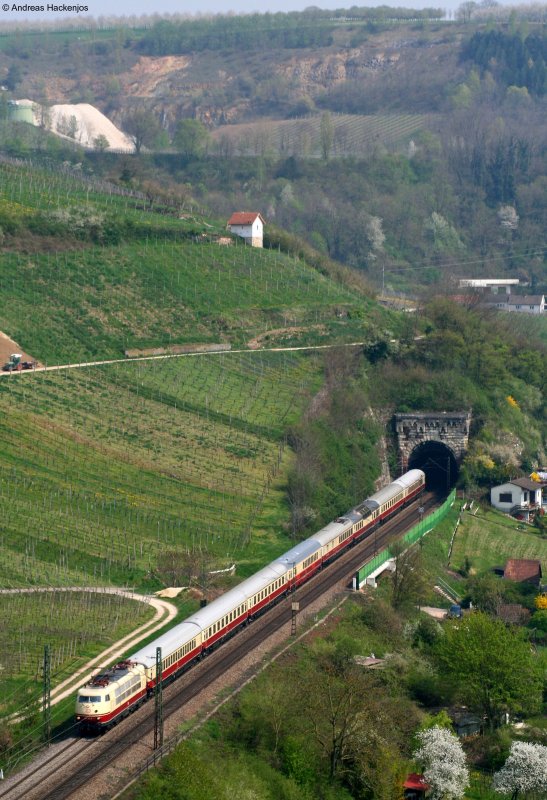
x=524, y=771
x=191, y=138
x=491, y=665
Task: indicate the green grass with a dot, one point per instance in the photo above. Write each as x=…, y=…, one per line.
x=490, y=538
x=97, y=302
x=87, y=273
x=106, y=468
x=75, y=625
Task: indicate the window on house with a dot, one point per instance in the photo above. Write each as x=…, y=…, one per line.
x=506, y=497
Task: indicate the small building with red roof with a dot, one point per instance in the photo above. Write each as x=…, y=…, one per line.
x=523, y=570
x=249, y=225
x=415, y=787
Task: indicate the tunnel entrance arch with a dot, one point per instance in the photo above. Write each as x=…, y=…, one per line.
x=439, y=464
x=435, y=441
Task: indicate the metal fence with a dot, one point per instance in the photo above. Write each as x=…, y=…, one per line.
x=413, y=535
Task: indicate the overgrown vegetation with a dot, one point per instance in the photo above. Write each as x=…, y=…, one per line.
x=335, y=446
x=471, y=359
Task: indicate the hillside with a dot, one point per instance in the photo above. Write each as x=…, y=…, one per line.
x=413, y=151
x=380, y=154
x=227, y=84
x=120, y=275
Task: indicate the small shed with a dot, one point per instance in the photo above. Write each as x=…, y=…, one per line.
x=415, y=787
x=518, y=497
x=249, y=225
x=465, y=723
x=523, y=570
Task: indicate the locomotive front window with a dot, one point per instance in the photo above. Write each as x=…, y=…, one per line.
x=89, y=698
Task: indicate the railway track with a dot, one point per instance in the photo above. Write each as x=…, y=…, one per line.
x=73, y=767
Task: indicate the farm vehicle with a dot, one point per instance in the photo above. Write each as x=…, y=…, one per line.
x=15, y=363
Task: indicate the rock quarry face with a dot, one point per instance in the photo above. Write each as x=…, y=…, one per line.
x=313, y=74
x=222, y=88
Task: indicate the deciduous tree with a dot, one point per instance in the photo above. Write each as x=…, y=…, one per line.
x=191, y=138
x=493, y=666
x=142, y=127
x=443, y=761
x=524, y=771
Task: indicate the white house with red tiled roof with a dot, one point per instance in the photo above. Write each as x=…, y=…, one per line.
x=249, y=225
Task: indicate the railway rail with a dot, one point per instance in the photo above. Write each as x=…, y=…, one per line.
x=82, y=761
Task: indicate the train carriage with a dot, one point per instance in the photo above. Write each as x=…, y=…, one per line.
x=301, y=561
x=179, y=647
x=108, y=697
x=336, y=536
x=391, y=498
x=265, y=587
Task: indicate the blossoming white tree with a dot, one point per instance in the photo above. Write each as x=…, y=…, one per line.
x=443, y=762
x=524, y=771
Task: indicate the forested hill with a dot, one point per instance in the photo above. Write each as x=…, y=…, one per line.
x=409, y=147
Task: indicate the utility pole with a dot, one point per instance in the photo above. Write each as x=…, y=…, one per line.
x=46, y=695
x=158, y=693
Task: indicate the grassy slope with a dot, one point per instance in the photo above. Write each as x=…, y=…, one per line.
x=74, y=300
x=98, y=301
x=490, y=538
x=110, y=466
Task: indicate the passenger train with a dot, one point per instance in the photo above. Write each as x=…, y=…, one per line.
x=114, y=693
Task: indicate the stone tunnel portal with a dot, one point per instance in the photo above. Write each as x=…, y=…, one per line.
x=435, y=441
x=439, y=464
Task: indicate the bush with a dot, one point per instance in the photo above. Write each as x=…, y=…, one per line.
x=427, y=688
x=382, y=618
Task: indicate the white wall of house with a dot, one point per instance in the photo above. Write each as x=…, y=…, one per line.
x=520, y=305
x=508, y=495
x=253, y=234
x=528, y=308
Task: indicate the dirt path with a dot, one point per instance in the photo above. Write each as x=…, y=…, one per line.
x=83, y=364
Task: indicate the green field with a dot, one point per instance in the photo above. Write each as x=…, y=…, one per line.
x=105, y=468
x=99, y=301
x=490, y=538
